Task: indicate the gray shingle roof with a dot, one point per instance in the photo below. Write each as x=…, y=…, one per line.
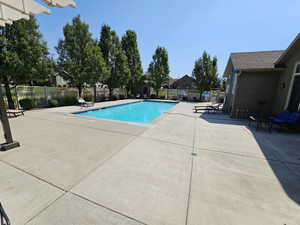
x=255, y=60
x=284, y=56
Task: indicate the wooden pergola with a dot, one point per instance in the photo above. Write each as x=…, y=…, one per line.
x=10, y=11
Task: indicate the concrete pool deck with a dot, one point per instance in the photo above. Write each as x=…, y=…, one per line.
x=88, y=171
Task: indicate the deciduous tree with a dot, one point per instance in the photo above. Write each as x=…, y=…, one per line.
x=159, y=69
x=23, y=55
x=130, y=47
x=96, y=67
x=205, y=73
x=72, y=63
x=115, y=59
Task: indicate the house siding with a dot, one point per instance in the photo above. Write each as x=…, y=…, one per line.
x=286, y=78
x=254, y=87
x=229, y=96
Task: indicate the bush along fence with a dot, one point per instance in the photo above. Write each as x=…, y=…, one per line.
x=28, y=97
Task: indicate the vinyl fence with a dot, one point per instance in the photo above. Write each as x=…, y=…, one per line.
x=191, y=95
x=42, y=95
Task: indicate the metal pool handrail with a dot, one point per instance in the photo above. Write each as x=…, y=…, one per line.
x=3, y=217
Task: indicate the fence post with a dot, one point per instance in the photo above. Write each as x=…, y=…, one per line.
x=46, y=95
x=17, y=98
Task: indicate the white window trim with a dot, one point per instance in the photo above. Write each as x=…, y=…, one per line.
x=291, y=85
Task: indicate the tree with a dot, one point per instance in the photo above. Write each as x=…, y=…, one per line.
x=23, y=54
x=115, y=59
x=159, y=69
x=73, y=63
x=205, y=73
x=45, y=72
x=96, y=67
x=130, y=47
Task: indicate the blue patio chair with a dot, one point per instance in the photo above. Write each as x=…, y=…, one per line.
x=286, y=118
x=282, y=118
x=294, y=118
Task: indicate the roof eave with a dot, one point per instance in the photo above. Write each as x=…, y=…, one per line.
x=260, y=70
x=226, y=72
x=284, y=55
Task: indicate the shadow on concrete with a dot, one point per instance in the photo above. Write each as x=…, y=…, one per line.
x=278, y=148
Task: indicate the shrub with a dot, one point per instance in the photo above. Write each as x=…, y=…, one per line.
x=102, y=98
x=113, y=98
x=69, y=100
x=53, y=103
x=27, y=103
x=185, y=98
x=88, y=98
x=162, y=97
x=153, y=96
x=122, y=97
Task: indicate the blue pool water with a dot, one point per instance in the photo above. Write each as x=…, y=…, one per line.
x=140, y=112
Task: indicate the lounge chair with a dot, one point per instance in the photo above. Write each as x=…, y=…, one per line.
x=83, y=103
x=209, y=108
x=286, y=118
x=15, y=112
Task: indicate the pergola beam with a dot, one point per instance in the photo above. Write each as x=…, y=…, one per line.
x=60, y=3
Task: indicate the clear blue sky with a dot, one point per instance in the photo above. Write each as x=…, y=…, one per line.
x=186, y=28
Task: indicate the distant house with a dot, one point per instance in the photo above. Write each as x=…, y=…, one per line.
x=60, y=82
x=171, y=82
x=186, y=82
x=265, y=82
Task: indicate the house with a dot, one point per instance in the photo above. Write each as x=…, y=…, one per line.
x=186, y=82
x=171, y=81
x=265, y=82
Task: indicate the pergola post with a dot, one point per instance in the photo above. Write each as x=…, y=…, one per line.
x=10, y=143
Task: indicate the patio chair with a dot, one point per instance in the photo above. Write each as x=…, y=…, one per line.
x=14, y=112
x=4, y=220
x=84, y=103
x=283, y=116
x=286, y=118
x=215, y=107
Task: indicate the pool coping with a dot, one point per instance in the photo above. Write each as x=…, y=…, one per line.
x=74, y=113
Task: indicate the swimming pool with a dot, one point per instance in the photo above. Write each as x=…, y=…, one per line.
x=139, y=112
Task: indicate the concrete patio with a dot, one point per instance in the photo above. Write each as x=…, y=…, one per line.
x=185, y=168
